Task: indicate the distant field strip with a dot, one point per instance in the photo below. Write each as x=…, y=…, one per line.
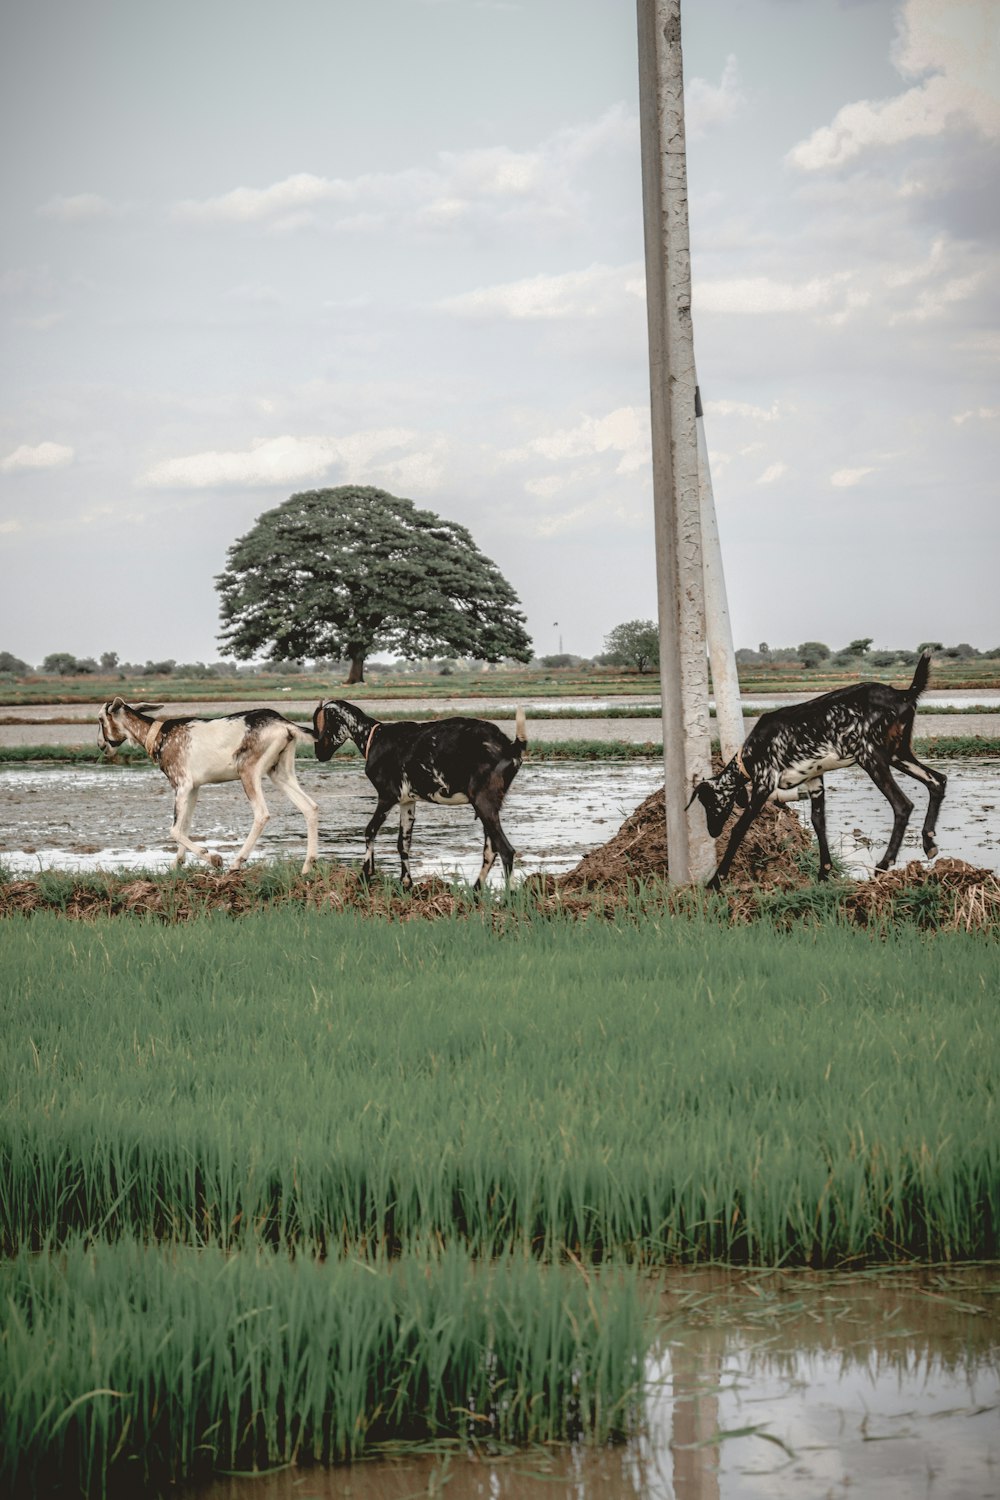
x=654, y=1087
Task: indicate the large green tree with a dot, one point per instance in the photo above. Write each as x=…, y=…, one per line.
x=636, y=643
x=349, y=571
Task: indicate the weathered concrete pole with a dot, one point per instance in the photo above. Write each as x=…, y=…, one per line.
x=725, y=680
x=676, y=503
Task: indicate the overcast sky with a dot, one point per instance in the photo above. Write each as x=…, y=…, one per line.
x=250, y=249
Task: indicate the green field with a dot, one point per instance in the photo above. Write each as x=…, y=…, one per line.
x=944, y=746
x=505, y=684
x=306, y=1181
x=658, y=1087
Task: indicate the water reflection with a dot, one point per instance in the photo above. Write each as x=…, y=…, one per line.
x=763, y=1386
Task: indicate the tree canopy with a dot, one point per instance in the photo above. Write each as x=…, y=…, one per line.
x=635, y=643
x=349, y=571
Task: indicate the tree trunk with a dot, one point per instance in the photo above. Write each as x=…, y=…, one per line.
x=357, y=672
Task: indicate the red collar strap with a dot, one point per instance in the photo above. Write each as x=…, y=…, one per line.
x=741, y=767
x=371, y=736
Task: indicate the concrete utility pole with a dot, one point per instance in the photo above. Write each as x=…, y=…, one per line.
x=725, y=680
x=676, y=501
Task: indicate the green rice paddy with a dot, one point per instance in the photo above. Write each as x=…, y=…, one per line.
x=658, y=1087
x=276, y=1189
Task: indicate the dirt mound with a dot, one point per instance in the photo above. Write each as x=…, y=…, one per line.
x=768, y=856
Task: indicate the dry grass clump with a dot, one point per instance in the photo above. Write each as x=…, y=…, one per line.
x=949, y=894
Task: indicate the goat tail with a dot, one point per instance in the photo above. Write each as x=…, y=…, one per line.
x=920, y=676
x=520, y=734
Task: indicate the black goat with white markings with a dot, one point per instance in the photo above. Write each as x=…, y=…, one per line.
x=446, y=760
x=788, y=750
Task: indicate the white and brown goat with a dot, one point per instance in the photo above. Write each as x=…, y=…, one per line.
x=446, y=760
x=193, y=753
x=787, y=752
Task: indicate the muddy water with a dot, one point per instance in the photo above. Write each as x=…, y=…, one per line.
x=761, y=1386
x=84, y=818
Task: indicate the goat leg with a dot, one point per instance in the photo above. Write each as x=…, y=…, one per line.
x=935, y=782
x=757, y=801
x=378, y=817
x=817, y=816
x=877, y=767
x=407, y=817
x=185, y=798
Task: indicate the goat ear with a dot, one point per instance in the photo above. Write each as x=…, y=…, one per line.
x=698, y=792
x=319, y=720
x=741, y=796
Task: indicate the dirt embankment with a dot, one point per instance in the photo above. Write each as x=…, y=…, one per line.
x=773, y=875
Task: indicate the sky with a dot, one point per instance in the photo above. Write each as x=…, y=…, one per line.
x=252, y=249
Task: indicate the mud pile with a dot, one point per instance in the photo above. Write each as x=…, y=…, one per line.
x=770, y=855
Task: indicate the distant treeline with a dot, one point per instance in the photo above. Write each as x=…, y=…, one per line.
x=810, y=654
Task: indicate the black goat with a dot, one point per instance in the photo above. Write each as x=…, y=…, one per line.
x=446, y=760
x=788, y=750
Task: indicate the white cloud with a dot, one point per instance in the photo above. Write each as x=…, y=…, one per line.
x=568, y=520
x=244, y=205
x=764, y=294
x=773, y=472
x=483, y=182
x=624, y=431
x=951, y=48
x=43, y=322
x=934, y=301
x=977, y=414
x=846, y=479
x=592, y=293
x=743, y=409
x=290, y=460
x=41, y=456
x=77, y=209
x=707, y=106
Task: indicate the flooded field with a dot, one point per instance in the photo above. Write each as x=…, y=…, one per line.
x=84, y=818
x=762, y=1386
x=78, y=818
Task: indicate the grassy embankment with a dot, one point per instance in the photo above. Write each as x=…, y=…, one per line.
x=946, y=747
x=198, y=1114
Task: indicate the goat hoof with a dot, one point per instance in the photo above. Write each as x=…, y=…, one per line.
x=931, y=850
x=824, y=872
x=215, y=860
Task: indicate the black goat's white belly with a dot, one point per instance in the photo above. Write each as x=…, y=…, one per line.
x=813, y=765
x=430, y=788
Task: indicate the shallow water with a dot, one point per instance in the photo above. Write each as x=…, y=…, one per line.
x=762, y=1386
x=107, y=817
x=102, y=817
